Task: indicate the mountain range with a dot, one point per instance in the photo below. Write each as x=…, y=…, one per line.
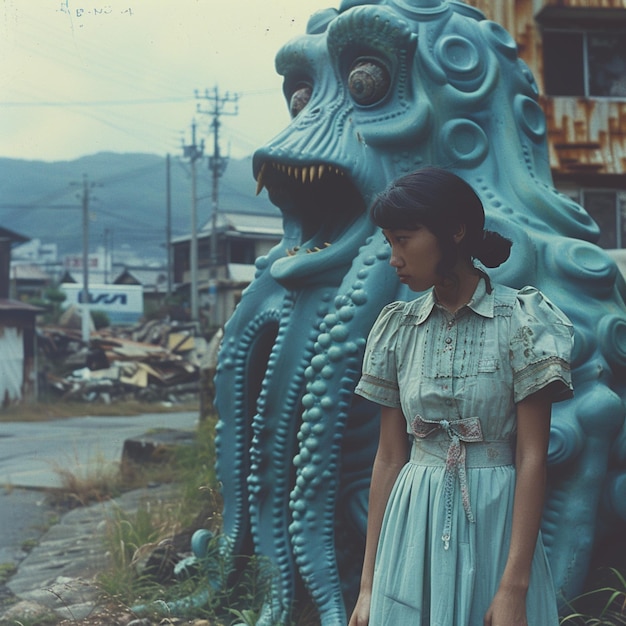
x=127, y=200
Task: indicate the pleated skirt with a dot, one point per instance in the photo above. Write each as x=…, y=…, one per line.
x=418, y=582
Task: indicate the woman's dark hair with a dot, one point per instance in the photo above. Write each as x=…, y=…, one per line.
x=441, y=201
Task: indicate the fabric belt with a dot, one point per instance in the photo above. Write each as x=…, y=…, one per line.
x=456, y=456
x=485, y=454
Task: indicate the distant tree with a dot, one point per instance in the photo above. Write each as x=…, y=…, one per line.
x=52, y=299
x=100, y=319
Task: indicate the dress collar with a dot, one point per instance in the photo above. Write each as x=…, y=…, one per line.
x=482, y=302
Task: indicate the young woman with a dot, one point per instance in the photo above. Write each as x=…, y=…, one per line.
x=465, y=375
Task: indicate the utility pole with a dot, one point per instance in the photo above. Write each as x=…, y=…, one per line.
x=168, y=222
x=107, y=256
x=85, y=319
x=217, y=165
x=193, y=152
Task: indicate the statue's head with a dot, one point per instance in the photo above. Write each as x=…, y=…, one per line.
x=380, y=89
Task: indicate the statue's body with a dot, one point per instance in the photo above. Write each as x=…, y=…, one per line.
x=377, y=90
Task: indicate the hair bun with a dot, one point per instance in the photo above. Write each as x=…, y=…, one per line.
x=494, y=249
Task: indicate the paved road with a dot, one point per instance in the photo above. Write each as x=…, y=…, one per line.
x=31, y=452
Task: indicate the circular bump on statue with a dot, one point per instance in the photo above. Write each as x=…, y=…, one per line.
x=465, y=142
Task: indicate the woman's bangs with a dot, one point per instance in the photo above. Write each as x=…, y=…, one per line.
x=393, y=216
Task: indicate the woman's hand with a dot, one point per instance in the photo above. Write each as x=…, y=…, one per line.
x=361, y=613
x=508, y=608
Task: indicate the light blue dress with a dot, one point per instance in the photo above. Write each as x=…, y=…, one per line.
x=446, y=531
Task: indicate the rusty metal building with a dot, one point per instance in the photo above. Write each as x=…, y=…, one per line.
x=576, y=50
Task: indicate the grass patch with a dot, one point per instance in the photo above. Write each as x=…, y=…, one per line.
x=6, y=571
x=98, y=482
x=216, y=591
x=132, y=540
x=29, y=544
x=605, y=606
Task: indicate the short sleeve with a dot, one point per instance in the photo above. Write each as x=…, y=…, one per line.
x=379, y=380
x=541, y=344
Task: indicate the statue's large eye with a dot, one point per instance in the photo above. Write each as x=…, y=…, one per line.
x=368, y=81
x=299, y=98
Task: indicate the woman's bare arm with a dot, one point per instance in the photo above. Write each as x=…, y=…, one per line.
x=533, y=430
x=390, y=458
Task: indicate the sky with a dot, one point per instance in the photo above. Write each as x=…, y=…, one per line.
x=79, y=77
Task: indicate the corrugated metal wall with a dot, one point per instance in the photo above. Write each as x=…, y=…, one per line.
x=11, y=365
x=585, y=135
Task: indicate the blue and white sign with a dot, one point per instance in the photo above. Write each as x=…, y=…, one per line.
x=123, y=304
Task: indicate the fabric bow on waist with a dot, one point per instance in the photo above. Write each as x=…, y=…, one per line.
x=459, y=431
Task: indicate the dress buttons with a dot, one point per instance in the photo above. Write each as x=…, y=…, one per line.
x=448, y=340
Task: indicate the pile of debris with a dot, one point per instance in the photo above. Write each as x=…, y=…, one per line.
x=152, y=361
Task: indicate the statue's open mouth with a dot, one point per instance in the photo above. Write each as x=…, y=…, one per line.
x=322, y=208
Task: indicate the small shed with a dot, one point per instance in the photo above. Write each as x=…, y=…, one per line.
x=18, y=368
x=18, y=365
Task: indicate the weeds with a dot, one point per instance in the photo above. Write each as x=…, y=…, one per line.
x=132, y=538
x=222, y=591
x=608, y=605
x=129, y=539
x=6, y=571
x=100, y=481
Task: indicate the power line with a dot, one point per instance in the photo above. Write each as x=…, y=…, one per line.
x=22, y=207
x=96, y=103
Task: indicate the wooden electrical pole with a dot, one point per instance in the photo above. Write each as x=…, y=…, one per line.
x=193, y=152
x=217, y=166
x=86, y=318
x=168, y=223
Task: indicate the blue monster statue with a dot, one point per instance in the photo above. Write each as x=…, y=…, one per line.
x=377, y=89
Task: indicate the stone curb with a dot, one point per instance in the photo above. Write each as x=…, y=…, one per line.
x=58, y=574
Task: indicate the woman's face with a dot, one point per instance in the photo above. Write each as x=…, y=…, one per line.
x=415, y=255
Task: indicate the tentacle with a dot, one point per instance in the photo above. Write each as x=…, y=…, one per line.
x=331, y=379
x=274, y=439
x=247, y=341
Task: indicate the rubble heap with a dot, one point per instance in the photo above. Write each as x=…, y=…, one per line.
x=152, y=361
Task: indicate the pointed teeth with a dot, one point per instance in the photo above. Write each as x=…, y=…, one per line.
x=302, y=174
x=259, y=181
x=293, y=251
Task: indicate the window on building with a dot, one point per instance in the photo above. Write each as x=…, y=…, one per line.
x=590, y=63
x=608, y=209
x=242, y=251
